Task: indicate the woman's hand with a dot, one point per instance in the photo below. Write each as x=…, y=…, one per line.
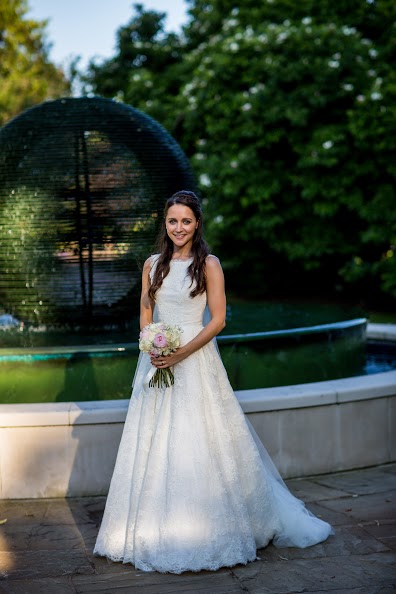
x=164, y=361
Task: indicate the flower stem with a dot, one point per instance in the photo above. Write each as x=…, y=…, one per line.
x=162, y=378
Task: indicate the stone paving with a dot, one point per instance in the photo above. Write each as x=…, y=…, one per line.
x=46, y=547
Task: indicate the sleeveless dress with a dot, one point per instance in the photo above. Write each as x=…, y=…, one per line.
x=193, y=488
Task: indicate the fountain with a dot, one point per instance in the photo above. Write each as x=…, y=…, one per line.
x=82, y=187
x=82, y=184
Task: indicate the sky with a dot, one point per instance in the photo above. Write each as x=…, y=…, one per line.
x=88, y=27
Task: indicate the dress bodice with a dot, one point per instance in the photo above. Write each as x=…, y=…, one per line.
x=173, y=302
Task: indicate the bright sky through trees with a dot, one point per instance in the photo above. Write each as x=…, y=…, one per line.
x=88, y=27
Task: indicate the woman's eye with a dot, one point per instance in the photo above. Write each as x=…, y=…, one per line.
x=186, y=222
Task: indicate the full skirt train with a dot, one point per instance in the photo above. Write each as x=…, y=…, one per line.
x=193, y=488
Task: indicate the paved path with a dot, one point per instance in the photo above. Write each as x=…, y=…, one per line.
x=46, y=547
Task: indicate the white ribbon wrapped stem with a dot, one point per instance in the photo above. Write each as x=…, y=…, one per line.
x=149, y=376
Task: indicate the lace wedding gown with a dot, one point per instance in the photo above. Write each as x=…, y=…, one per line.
x=193, y=487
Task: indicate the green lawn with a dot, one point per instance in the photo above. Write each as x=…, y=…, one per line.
x=382, y=318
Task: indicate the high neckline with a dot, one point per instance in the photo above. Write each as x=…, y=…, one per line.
x=181, y=259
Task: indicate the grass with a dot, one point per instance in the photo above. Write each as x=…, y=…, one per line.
x=379, y=317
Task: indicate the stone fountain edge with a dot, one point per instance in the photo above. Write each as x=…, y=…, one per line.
x=69, y=449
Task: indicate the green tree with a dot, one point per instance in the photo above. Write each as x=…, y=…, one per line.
x=373, y=18
x=27, y=77
x=304, y=173
x=287, y=112
x=147, y=69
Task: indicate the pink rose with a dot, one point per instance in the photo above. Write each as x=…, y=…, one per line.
x=160, y=341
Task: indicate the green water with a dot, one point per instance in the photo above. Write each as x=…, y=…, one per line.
x=90, y=377
x=81, y=377
x=242, y=317
x=37, y=374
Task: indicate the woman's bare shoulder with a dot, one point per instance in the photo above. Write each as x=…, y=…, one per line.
x=212, y=261
x=151, y=260
x=149, y=263
x=213, y=266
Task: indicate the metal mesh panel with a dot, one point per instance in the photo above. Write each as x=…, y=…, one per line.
x=82, y=188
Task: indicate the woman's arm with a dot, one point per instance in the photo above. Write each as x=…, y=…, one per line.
x=217, y=307
x=146, y=305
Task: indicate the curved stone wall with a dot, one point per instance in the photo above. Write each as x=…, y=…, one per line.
x=69, y=449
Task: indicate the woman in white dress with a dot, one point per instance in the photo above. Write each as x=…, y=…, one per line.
x=193, y=487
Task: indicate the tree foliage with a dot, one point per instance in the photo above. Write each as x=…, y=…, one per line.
x=147, y=70
x=287, y=111
x=27, y=77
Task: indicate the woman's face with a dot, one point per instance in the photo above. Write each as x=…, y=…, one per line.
x=181, y=224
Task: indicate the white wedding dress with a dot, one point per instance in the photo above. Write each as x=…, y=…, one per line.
x=193, y=488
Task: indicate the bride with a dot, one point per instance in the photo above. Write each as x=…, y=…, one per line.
x=193, y=487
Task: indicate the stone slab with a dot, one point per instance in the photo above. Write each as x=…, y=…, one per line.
x=389, y=468
x=30, y=512
x=220, y=582
x=359, y=559
x=384, y=532
x=298, y=440
x=363, y=387
x=89, y=533
x=56, y=585
x=74, y=454
x=377, y=506
x=96, y=449
x=310, y=490
x=390, y=542
x=362, y=433
x=35, y=460
x=309, y=575
x=313, y=394
x=62, y=511
x=36, y=414
x=363, y=481
x=369, y=590
x=87, y=509
x=287, y=397
x=98, y=411
x=392, y=429
x=39, y=538
x=334, y=517
x=347, y=541
x=381, y=331
x=44, y=563
x=379, y=590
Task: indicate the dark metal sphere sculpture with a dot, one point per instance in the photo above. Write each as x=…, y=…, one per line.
x=82, y=188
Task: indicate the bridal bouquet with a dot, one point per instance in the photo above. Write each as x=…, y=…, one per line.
x=159, y=339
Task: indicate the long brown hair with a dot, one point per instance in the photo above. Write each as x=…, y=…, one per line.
x=199, y=248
